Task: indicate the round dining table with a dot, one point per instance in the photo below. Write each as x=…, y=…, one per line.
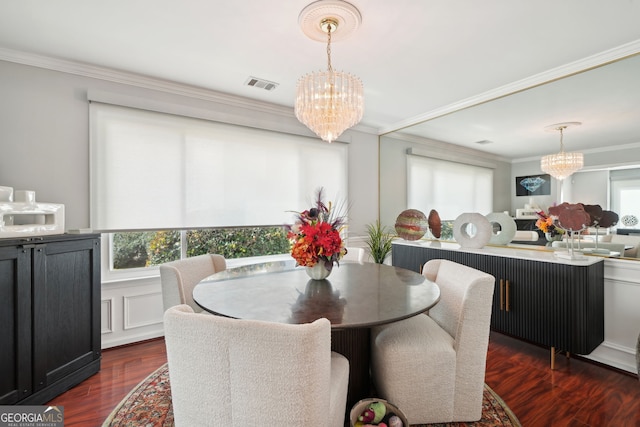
x=355, y=297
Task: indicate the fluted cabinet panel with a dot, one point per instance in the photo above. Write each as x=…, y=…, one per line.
x=555, y=304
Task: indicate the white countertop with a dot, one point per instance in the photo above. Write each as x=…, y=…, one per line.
x=529, y=252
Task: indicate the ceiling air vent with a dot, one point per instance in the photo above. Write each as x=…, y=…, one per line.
x=261, y=83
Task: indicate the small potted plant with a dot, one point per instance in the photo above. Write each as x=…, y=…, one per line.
x=379, y=240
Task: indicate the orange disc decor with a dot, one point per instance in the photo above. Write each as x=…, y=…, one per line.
x=411, y=224
x=435, y=224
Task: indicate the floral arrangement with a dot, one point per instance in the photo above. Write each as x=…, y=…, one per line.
x=315, y=236
x=546, y=223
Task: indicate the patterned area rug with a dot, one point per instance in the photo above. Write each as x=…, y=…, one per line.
x=149, y=405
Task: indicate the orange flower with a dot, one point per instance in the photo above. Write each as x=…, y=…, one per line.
x=546, y=223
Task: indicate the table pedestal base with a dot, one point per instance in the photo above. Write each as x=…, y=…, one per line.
x=353, y=343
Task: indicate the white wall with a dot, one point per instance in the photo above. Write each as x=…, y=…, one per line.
x=590, y=187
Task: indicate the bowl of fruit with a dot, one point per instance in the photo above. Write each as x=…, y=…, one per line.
x=376, y=412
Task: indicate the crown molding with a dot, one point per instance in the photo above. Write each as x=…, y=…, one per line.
x=589, y=151
x=579, y=66
x=448, y=149
x=146, y=82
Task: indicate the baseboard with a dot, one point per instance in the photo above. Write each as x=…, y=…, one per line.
x=614, y=355
x=129, y=339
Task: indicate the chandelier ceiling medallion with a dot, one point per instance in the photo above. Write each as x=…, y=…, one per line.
x=329, y=102
x=562, y=164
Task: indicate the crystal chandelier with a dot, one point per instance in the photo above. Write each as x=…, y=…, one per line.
x=562, y=164
x=329, y=102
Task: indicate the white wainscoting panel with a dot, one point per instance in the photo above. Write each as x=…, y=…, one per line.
x=142, y=310
x=106, y=316
x=621, y=315
x=135, y=311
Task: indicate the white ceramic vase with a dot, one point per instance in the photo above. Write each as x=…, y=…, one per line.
x=318, y=271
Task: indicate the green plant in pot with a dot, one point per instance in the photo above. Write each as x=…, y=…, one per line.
x=379, y=240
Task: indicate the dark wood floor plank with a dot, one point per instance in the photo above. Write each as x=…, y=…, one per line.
x=578, y=393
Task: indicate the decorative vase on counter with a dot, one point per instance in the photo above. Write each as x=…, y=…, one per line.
x=553, y=237
x=318, y=271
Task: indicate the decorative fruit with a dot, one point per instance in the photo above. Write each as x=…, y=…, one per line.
x=367, y=415
x=395, y=421
x=379, y=409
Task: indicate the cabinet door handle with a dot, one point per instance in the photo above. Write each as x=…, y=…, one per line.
x=507, y=297
x=501, y=294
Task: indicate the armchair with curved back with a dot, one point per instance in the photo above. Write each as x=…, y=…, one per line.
x=432, y=366
x=239, y=372
x=178, y=278
x=630, y=241
x=354, y=254
x=613, y=247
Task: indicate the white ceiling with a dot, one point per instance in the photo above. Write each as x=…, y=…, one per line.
x=417, y=59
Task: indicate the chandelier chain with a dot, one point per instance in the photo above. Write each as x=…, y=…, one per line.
x=329, y=67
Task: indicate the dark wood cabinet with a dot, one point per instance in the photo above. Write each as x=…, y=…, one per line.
x=49, y=315
x=556, y=304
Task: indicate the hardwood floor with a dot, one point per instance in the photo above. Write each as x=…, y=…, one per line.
x=577, y=393
x=89, y=403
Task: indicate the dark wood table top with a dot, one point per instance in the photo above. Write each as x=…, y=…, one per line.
x=353, y=296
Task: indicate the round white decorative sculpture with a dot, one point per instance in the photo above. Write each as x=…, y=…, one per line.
x=629, y=220
x=473, y=240
x=505, y=230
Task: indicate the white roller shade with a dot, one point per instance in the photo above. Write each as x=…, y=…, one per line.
x=448, y=187
x=153, y=170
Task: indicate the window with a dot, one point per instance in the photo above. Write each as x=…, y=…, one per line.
x=448, y=187
x=625, y=193
x=143, y=249
x=155, y=171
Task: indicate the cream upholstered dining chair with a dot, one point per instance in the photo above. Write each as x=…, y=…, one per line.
x=354, y=255
x=178, y=278
x=563, y=244
x=432, y=366
x=631, y=241
x=235, y=372
x=525, y=236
